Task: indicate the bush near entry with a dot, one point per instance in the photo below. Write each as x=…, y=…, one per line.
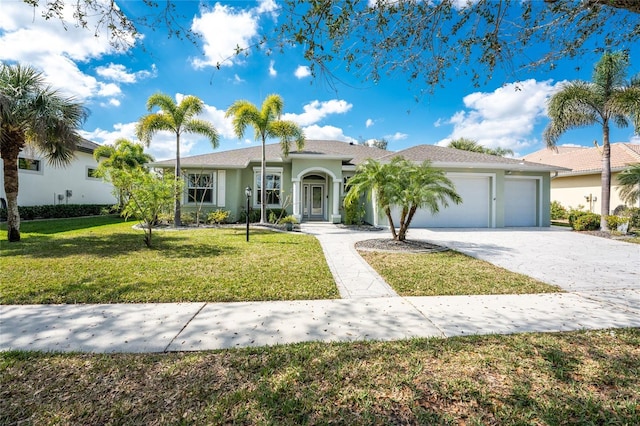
x=586, y=222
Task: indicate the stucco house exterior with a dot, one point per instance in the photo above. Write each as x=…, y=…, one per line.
x=43, y=184
x=580, y=183
x=310, y=183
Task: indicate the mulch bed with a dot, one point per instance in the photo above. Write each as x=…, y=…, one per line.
x=391, y=246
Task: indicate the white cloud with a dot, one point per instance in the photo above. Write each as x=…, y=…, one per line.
x=316, y=111
x=163, y=145
x=58, y=50
x=237, y=79
x=396, y=136
x=272, y=70
x=369, y=123
x=224, y=29
x=302, y=71
x=326, y=133
x=120, y=74
x=503, y=118
x=267, y=6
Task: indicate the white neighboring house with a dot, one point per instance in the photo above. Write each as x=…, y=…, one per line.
x=41, y=183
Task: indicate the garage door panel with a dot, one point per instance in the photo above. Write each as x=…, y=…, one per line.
x=520, y=204
x=473, y=212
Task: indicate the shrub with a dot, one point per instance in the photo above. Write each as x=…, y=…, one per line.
x=187, y=218
x=288, y=219
x=575, y=213
x=587, y=222
x=218, y=216
x=634, y=217
x=254, y=216
x=53, y=211
x=614, y=221
x=558, y=212
x=166, y=218
x=272, y=217
x=354, y=214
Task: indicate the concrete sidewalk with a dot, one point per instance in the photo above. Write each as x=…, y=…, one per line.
x=203, y=326
x=368, y=310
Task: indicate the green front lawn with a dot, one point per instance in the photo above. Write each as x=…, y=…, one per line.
x=586, y=378
x=104, y=260
x=449, y=273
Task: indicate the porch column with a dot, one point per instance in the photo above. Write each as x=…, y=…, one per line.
x=296, y=199
x=335, y=214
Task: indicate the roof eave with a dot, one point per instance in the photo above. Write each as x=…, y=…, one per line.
x=521, y=167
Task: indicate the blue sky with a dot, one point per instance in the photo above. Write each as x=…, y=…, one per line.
x=115, y=85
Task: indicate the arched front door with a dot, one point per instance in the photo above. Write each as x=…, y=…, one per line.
x=313, y=198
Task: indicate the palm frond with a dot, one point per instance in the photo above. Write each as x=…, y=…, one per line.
x=150, y=124
x=629, y=180
x=204, y=128
x=244, y=114
x=288, y=132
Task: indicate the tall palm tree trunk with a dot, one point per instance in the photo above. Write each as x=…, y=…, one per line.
x=177, y=220
x=605, y=196
x=263, y=185
x=10, y=164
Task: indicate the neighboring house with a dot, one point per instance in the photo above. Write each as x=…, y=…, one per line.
x=42, y=183
x=310, y=184
x=581, y=184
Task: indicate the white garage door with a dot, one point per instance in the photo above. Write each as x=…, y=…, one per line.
x=473, y=212
x=520, y=206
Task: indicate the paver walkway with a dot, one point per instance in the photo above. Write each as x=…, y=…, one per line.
x=382, y=316
x=353, y=275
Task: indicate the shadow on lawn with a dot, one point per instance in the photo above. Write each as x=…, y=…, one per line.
x=55, y=226
x=113, y=245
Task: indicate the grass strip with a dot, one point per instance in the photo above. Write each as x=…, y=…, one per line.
x=588, y=377
x=449, y=273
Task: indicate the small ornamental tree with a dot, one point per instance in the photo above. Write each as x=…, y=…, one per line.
x=149, y=195
x=113, y=160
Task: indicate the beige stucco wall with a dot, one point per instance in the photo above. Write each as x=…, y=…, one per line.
x=570, y=191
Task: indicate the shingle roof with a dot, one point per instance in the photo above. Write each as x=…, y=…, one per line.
x=240, y=158
x=585, y=160
x=440, y=156
x=354, y=154
x=86, y=145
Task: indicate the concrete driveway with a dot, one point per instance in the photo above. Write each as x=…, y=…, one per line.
x=576, y=262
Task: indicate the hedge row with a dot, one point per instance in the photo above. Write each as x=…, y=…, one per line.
x=59, y=211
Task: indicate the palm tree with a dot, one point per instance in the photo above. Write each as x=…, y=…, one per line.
x=473, y=146
x=266, y=124
x=629, y=180
x=608, y=99
x=124, y=155
x=33, y=114
x=179, y=119
x=404, y=184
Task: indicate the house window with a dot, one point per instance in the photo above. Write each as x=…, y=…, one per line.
x=29, y=164
x=273, y=187
x=200, y=188
x=345, y=184
x=91, y=173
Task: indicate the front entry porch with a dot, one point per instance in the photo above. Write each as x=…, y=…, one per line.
x=316, y=196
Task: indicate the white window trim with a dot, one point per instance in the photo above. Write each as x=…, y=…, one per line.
x=213, y=174
x=33, y=172
x=256, y=175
